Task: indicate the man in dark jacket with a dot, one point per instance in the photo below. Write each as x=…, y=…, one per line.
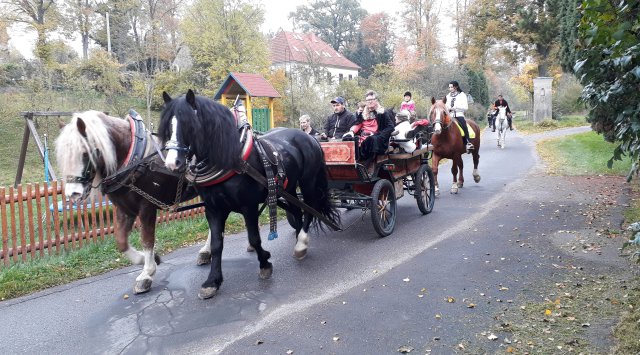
x=378, y=142
x=339, y=123
x=502, y=102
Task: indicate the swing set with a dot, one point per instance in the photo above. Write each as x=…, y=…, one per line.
x=31, y=129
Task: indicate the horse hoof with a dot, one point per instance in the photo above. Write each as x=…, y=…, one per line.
x=207, y=292
x=476, y=178
x=250, y=249
x=300, y=254
x=142, y=286
x=156, y=257
x=204, y=258
x=266, y=273
x=460, y=184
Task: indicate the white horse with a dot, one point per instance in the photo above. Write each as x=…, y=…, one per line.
x=502, y=125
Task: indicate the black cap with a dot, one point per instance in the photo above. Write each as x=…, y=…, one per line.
x=338, y=100
x=408, y=93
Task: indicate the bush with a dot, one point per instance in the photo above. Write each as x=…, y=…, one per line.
x=566, y=97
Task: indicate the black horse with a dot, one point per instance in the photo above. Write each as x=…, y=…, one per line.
x=196, y=126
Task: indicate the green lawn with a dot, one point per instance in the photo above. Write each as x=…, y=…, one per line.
x=581, y=154
x=528, y=127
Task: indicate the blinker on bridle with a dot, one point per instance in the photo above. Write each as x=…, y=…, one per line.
x=88, y=171
x=172, y=144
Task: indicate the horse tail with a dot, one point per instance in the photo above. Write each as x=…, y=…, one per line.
x=321, y=200
x=324, y=204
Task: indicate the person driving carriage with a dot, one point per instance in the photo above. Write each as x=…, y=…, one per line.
x=374, y=124
x=339, y=122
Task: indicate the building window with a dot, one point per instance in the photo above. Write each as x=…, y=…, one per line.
x=329, y=78
x=350, y=77
x=340, y=77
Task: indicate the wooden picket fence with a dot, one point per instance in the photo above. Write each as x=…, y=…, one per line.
x=37, y=221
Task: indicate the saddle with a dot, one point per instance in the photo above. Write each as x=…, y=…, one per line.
x=472, y=133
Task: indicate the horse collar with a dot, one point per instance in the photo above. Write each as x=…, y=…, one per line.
x=210, y=175
x=138, y=139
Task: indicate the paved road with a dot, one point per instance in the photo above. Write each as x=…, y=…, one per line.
x=436, y=282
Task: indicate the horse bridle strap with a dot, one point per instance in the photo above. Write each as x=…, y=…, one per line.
x=272, y=197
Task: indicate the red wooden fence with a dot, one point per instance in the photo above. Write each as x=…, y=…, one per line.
x=37, y=221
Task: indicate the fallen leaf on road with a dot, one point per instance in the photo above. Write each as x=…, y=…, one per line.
x=258, y=342
x=406, y=280
x=336, y=338
x=451, y=299
x=405, y=349
x=289, y=352
x=492, y=337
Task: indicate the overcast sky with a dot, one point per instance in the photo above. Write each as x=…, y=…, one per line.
x=277, y=12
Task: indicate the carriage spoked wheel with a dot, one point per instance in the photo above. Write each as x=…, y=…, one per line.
x=425, y=189
x=383, y=207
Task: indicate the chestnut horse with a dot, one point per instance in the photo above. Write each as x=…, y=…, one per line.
x=447, y=143
x=94, y=147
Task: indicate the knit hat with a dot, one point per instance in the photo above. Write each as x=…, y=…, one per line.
x=403, y=115
x=408, y=93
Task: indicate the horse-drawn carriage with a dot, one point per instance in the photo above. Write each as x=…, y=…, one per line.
x=376, y=186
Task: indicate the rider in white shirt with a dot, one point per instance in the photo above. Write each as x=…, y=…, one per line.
x=457, y=103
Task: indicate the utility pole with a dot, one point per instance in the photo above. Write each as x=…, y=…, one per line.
x=108, y=35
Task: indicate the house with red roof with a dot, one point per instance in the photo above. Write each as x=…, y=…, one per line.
x=290, y=50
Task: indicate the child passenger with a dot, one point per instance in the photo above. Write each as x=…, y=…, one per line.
x=409, y=105
x=402, y=127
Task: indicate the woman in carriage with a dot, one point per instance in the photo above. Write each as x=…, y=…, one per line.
x=374, y=124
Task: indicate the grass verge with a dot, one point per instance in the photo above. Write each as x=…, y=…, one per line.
x=528, y=127
x=581, y=305
x=36, y=275
x=581, y=154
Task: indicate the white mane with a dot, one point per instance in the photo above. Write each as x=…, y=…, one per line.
x=71, y=145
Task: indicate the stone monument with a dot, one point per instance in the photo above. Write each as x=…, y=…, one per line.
x=542, y=98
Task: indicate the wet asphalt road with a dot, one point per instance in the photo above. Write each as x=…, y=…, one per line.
x=436, y=282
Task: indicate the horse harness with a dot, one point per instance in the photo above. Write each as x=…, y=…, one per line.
x=202, y=175
x=137, y=163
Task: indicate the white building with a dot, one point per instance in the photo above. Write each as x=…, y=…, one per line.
x=295, y=52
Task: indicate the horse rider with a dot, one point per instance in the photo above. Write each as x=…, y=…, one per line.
x=502, y=102
x=339, y=122
x=458, y=104
x=491, y=117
